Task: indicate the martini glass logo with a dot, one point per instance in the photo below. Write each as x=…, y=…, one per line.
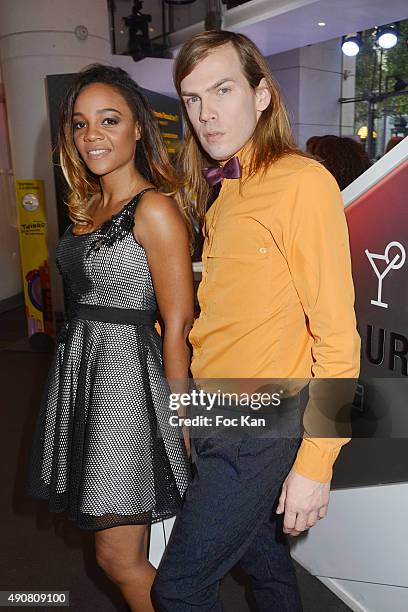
x=394, y=257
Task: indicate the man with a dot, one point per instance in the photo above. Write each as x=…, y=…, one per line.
x=277, y=302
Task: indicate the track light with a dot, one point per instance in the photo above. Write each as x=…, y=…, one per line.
x=350, y=44
x=387, y=36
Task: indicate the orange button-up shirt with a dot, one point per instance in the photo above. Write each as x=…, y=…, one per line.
x=277, y=296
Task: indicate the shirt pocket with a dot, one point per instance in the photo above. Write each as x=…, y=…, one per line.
x=238, y=275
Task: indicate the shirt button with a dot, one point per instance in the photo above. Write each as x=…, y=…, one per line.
x=263, y=250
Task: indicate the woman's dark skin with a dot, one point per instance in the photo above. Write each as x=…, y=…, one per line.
x=106, y=135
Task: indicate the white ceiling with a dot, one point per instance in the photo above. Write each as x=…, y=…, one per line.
x=280, y=25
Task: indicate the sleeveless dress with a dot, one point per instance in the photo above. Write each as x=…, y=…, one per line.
x=103, y=449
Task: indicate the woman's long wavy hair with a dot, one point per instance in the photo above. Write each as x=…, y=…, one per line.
x=151, y=158
x=272, y=137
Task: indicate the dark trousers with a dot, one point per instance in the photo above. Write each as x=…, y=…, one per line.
x=228, y=517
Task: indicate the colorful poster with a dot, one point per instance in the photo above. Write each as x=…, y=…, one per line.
x=168, y=113
x=34, y=256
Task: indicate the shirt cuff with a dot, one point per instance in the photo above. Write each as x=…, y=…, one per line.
x=316, y=457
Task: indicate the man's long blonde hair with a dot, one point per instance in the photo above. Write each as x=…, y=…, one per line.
x=272, y=137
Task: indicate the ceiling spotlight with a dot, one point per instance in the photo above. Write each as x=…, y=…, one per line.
x=351, y=44
x=321, y=24
x=387, y=36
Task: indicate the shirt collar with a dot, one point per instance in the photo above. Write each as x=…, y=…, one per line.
x=244, y=157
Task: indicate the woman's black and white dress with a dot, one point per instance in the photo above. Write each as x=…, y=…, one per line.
x=104, y=449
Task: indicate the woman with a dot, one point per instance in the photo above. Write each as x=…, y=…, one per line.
x=103, y=449
x=343, y=157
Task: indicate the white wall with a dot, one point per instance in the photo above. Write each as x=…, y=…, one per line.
x=5, y=161
x=348, y=91
x=360, y=549
x=152, y=73
x=310, y=79
x=286, y=70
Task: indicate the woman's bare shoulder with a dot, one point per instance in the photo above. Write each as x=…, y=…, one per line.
x=156, y=206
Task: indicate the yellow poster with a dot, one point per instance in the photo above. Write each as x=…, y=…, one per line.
x=34, y=256
x=169, y=128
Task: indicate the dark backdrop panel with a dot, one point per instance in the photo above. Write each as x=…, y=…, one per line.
x=374, y=461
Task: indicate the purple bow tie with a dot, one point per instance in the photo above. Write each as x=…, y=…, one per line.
x=231, y=170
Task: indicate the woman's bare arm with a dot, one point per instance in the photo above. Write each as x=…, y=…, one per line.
x=160, y=229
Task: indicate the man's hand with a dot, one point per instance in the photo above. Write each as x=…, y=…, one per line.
x=304, y=502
